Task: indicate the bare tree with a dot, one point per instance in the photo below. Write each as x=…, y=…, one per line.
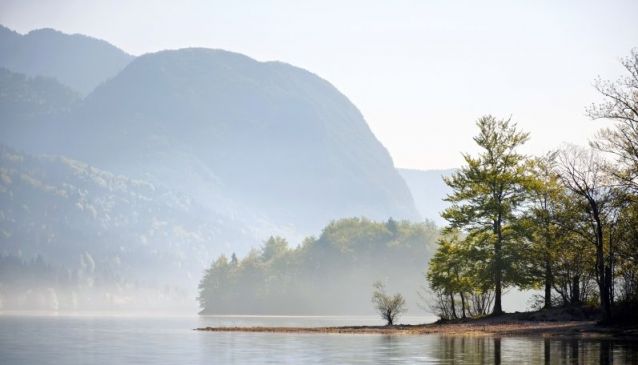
x=582, y=172
x=388, y=306
x=621, y=106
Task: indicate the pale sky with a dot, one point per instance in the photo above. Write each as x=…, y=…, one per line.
x=421, y=72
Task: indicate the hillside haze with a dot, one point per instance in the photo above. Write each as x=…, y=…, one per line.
x=77, y=61
x=76, y=237
x=120, y=198
x=32, y=109
x=272, y=137
x=429, y=191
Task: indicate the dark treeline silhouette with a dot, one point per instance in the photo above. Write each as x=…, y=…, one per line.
x=331, y=274
x=565, y=222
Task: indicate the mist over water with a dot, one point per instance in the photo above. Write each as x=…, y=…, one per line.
x=169, y=340
x=144, y=196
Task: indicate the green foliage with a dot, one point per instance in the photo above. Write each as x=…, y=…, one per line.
x=487, y=193
x=460, y=276
x=564, y=222
x=329, y=274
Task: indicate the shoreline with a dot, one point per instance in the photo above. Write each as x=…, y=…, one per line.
x=488, y=326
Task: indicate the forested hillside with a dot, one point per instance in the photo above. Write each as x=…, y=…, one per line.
x=68, y=229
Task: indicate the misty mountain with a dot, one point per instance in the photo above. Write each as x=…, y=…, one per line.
x=68, y=213
x=21, y=95
x=75, y=60
x=180, y=156
x=428, y=190
x=273, y=138
x=31, y=109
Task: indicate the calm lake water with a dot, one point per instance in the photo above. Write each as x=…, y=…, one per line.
x=171, y=340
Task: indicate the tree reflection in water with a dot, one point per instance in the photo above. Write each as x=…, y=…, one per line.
x=526, y=350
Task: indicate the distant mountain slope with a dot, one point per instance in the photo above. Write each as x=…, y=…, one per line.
x=428, y=191
x=77, y=61
x=21, y=95
x=184, y=154
x=131, y=231
x=274, y=138
x=31, y=108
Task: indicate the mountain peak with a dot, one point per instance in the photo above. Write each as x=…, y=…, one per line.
x=268, y=131
x=78, y=61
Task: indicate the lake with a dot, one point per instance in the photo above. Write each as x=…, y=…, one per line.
x=107, y=339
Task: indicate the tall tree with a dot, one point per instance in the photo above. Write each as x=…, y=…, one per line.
x=486, y=193
x=582, y=171
x=543, y=210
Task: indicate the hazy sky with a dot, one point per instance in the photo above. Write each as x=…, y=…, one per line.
x=421, y=72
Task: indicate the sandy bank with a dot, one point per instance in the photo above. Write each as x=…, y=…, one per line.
x=515, y=324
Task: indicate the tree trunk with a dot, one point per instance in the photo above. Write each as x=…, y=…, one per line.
x=548, y=283
x=603, y=282
x=498, y=309
x=549, y=279
x=608, y=284
x=453, y=306
x=575, y=290
x=462, y=305
x=610, y=275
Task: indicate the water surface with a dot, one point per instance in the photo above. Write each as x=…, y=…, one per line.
x=89, y=339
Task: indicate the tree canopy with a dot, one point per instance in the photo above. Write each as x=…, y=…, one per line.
x=564, y=222
x=328, y=274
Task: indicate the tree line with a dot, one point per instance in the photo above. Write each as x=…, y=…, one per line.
x=565, y=222
x=331, y=274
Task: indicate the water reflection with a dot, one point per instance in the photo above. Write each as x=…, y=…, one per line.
x=521, y=350
x=166, y=340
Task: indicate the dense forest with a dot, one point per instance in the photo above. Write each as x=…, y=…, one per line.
x=332, y=274
x=565, y=223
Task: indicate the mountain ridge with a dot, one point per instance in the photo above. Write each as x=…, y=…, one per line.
x=78, y=61
x=222, y=108
x=247, y=149
x=428, y=191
